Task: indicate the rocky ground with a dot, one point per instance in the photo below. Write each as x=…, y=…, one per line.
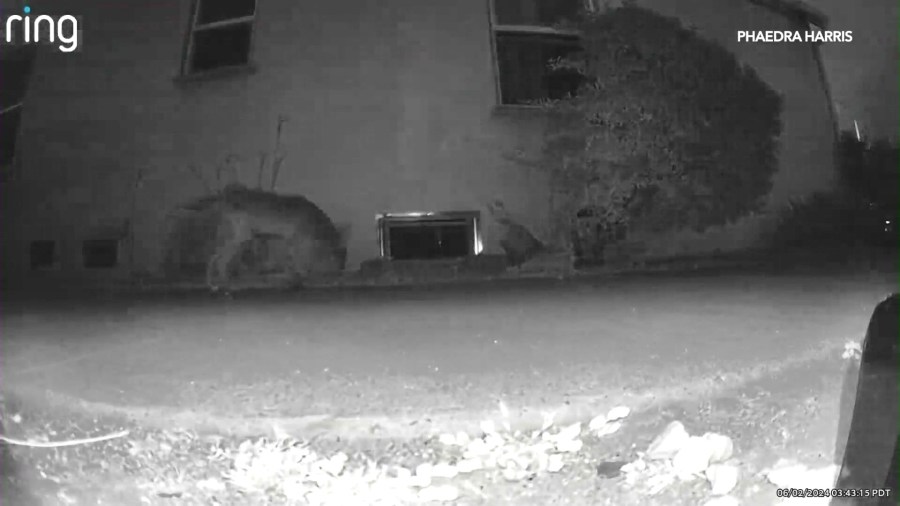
x=618, y=458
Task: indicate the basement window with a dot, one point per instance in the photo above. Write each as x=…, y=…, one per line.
x=100, y=253
x=429, y=236
x=42, y=255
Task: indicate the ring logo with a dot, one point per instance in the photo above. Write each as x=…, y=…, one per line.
x=64, y=29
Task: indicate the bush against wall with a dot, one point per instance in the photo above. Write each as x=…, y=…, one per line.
x=668, y=130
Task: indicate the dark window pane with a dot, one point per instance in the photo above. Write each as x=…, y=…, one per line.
x=429, y=240
x=522, y=62
x=535, y=12
x=14, y=73
x=42, y=254
x=9, y=132
x=219, y=10
x=100, y=253
x=221, y=47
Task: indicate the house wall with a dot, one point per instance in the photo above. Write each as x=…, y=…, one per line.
x=390, y=108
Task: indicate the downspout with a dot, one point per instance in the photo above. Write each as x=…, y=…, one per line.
x=826, y=87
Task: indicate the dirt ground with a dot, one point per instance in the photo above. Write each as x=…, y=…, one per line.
x=376, y=372
x=793, y=414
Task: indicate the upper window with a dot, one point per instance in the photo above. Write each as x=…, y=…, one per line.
x=526, y=39
x=220, y=35
x=9, y=132
x=15, y=69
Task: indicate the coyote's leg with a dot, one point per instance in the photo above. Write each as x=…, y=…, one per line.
x=234, y=233
x=297, y=268
x=223, y=261
x=211, y=274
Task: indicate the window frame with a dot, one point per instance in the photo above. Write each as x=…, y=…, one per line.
x=470, y=219
x=187, y=69
x=16, y=109
x=497, y=28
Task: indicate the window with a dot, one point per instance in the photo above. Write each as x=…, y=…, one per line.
x=220, y=35
x=525, y=40
x=9, y=132
x=42, y=254
x=429, y=236
x=100, y=253
x=15, y=69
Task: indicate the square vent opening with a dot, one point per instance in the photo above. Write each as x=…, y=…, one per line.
x=100, y=253
x=42, y=254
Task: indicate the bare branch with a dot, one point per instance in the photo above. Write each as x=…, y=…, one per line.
x=279, y=155
x=262, y=168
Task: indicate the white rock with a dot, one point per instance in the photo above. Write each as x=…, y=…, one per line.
x=692, y=458
x=799, y=476
x=608, y=429
x=466, y=466
x=403, y=473
x=447, y=439
x=462, y=439
x=211, y=485
x=824, y=477
x=555, y=463
x=444, y=470
x=425, y=470
x=635, y=467
x=569, y=445
x=597, y=422
x=294, y=489
x=722, y=447
x=668, y=442
x=722, y=478
x=539, y=462
x=724, y=500
x=439, y=493
x=492, y=441
x=476, y=448
x=569, y=433
x=514, y=473
x=335, y=465
x=419, y=481
x=618, y=413
x=548, y=419
x=785, y=474
x=488, y=427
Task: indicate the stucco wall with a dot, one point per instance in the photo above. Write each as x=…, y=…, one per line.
x=391, y=108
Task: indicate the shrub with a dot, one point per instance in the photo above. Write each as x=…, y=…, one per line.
x=667, y=131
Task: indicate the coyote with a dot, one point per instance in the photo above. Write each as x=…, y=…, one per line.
x=315, y=246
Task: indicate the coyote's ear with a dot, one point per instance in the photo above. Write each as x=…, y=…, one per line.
x=343, y=230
